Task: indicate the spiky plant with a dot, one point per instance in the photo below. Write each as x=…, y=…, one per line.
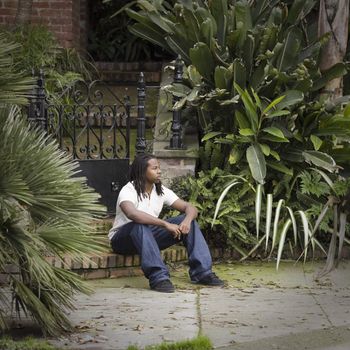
x=44, y=210
x=14, y=85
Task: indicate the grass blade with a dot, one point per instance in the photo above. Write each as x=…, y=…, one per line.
x=305, y=223
x=275, y=224
x=268, y=218
x=253, y=249
x=258, y=208
x=282, y=240
x=294, y=222
x=221, y=198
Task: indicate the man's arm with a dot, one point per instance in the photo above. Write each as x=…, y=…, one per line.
x=141, y=217
x=190, y=211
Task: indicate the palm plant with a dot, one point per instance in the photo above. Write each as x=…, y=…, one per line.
x=44, y=211
x=14, y=85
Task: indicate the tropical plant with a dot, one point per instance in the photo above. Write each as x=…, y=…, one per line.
x=266, y=45
x=44, y=210
x=270, y=48
x=39, y=50
x=234, y=224
x=271, y=130
x=14, y=85
x=110, y=41
x=336, y=195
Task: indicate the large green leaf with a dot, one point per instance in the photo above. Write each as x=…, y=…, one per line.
x=279, y=167
x=207, y=31
x=243, y=20
x=242, y=120
x=320, y=159
x=210, y=135
x=202, y=59
x=148, y=34
x=257, y=163
x=275, y=132
x=250, y=107
x=239, y=74
x=167, y=26
x=179, y=46
x=291, y=48
x=296, y=11
x=192, y=25
x=194, y=76
x=219, y=11
x=273, y=104
x=291, y=98
x=220, y=78
x=178, y=90
x=338, y=70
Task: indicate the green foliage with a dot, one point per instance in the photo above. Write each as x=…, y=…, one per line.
x=311, y=184
x=14, y=82
x=199, y=343
x=26, y=344
x=109, y=39
x=251, y=72
x=248, y=43
x=235, y=220
x=275, y=234
x=38, y=49
x=44, y=211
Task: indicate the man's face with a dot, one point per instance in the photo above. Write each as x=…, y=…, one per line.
x=153, y=171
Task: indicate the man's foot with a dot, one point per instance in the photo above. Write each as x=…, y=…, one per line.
x=164, y=286
x=211, y=280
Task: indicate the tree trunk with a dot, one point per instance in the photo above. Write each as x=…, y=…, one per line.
x=24, y=12
x=333, y=19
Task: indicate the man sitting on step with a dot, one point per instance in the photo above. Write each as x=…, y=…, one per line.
x=138, y=230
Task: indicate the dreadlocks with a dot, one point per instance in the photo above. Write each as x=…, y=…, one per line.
x=138, y=172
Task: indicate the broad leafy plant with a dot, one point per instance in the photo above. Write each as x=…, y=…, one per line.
x=235, y=51
x=271, y=135
x=269, y=46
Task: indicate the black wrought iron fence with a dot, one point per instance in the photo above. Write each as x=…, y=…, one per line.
x=90, y=121
x=92, y=124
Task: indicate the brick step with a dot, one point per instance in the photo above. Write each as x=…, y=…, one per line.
x=110, y=265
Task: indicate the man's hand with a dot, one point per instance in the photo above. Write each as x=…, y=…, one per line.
x=185, y=226
x=174, y=229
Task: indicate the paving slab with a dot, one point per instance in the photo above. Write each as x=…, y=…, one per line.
x=289, y=309
x=260, y=308
x=114, y=318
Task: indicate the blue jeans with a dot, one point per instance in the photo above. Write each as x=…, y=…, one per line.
x=149, y=240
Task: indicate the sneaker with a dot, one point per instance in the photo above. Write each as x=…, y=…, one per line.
x=211, y=280
x=164, y=286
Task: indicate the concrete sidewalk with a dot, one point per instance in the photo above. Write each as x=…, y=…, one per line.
x=259, y=309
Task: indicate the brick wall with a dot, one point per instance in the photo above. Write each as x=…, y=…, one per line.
x=67, y=19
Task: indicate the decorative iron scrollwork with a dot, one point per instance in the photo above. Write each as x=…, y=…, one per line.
x=88, y=127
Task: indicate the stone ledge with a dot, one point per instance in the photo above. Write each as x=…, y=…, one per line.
x=110, y=265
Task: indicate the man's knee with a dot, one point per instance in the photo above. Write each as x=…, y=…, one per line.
x=139, y=229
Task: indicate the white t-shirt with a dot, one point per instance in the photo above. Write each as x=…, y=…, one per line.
x=152, y=205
